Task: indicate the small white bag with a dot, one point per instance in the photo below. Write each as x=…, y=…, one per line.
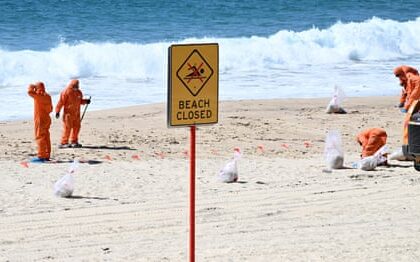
x=335, y=103
x=64, y=187
x=229, y=173
x=334, y=156
x=368, y=163
x=371, y=162
x=397, y=155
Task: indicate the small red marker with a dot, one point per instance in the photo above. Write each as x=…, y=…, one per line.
x=159, y=154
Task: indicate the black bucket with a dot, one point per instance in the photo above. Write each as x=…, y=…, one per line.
x=414, y=134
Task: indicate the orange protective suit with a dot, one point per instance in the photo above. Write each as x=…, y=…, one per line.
x=71, y=99
x=371, y=140
x=414, y=82
x=42, y=121
x=403, y=73
x=413, y=89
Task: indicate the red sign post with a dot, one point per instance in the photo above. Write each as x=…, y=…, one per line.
x=193, y=99
x=192, y=193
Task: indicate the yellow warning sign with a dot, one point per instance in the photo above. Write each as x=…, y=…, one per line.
x=193, y=84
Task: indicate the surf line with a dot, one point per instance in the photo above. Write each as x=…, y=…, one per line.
x=194, y=109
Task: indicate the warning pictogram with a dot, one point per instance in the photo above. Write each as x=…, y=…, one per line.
x=195, y=72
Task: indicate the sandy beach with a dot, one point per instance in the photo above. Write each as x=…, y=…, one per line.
x=131, y=188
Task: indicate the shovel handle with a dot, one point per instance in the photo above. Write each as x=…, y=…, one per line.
x=84, y=111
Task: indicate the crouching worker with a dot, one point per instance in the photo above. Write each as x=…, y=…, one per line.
x=42, y=121
x=71, y=99
x=371, y=140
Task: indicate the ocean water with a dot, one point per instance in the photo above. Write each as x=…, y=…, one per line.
x=268, y=49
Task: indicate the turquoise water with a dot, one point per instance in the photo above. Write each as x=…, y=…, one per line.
x=41, y=25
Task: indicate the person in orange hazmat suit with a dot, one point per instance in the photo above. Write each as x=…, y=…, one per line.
x=71, y=98
x=412, y=86
x=402, y=72
x=371, y=140
x=42, y=121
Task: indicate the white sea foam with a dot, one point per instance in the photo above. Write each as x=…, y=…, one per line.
x=358, y=57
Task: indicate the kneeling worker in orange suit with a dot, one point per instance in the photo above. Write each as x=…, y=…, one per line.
x=42, y=121
x=371, y=140
x=71, y=99
x=403, y=72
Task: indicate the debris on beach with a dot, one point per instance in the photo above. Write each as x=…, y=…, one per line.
x=64, y=187
x=229, y=173
x=334, y=106
x=398, y=155
x=334, y=156
x=371, y=162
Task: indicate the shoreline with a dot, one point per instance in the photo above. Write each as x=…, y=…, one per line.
x=29, y=117
x=145, y=127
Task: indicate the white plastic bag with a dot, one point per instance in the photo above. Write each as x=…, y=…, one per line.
x=229, y=173
x=371, y=162
x=334, y=156
x=397, y=155
x=381, y=154
x=64, y=187
x=368, y=163
x=335, y=103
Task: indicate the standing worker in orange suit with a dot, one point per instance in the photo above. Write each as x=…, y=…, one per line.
x=371, y=140
x=412, y=86
x=71, y=99
x=42, y=121
x=403, y=72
